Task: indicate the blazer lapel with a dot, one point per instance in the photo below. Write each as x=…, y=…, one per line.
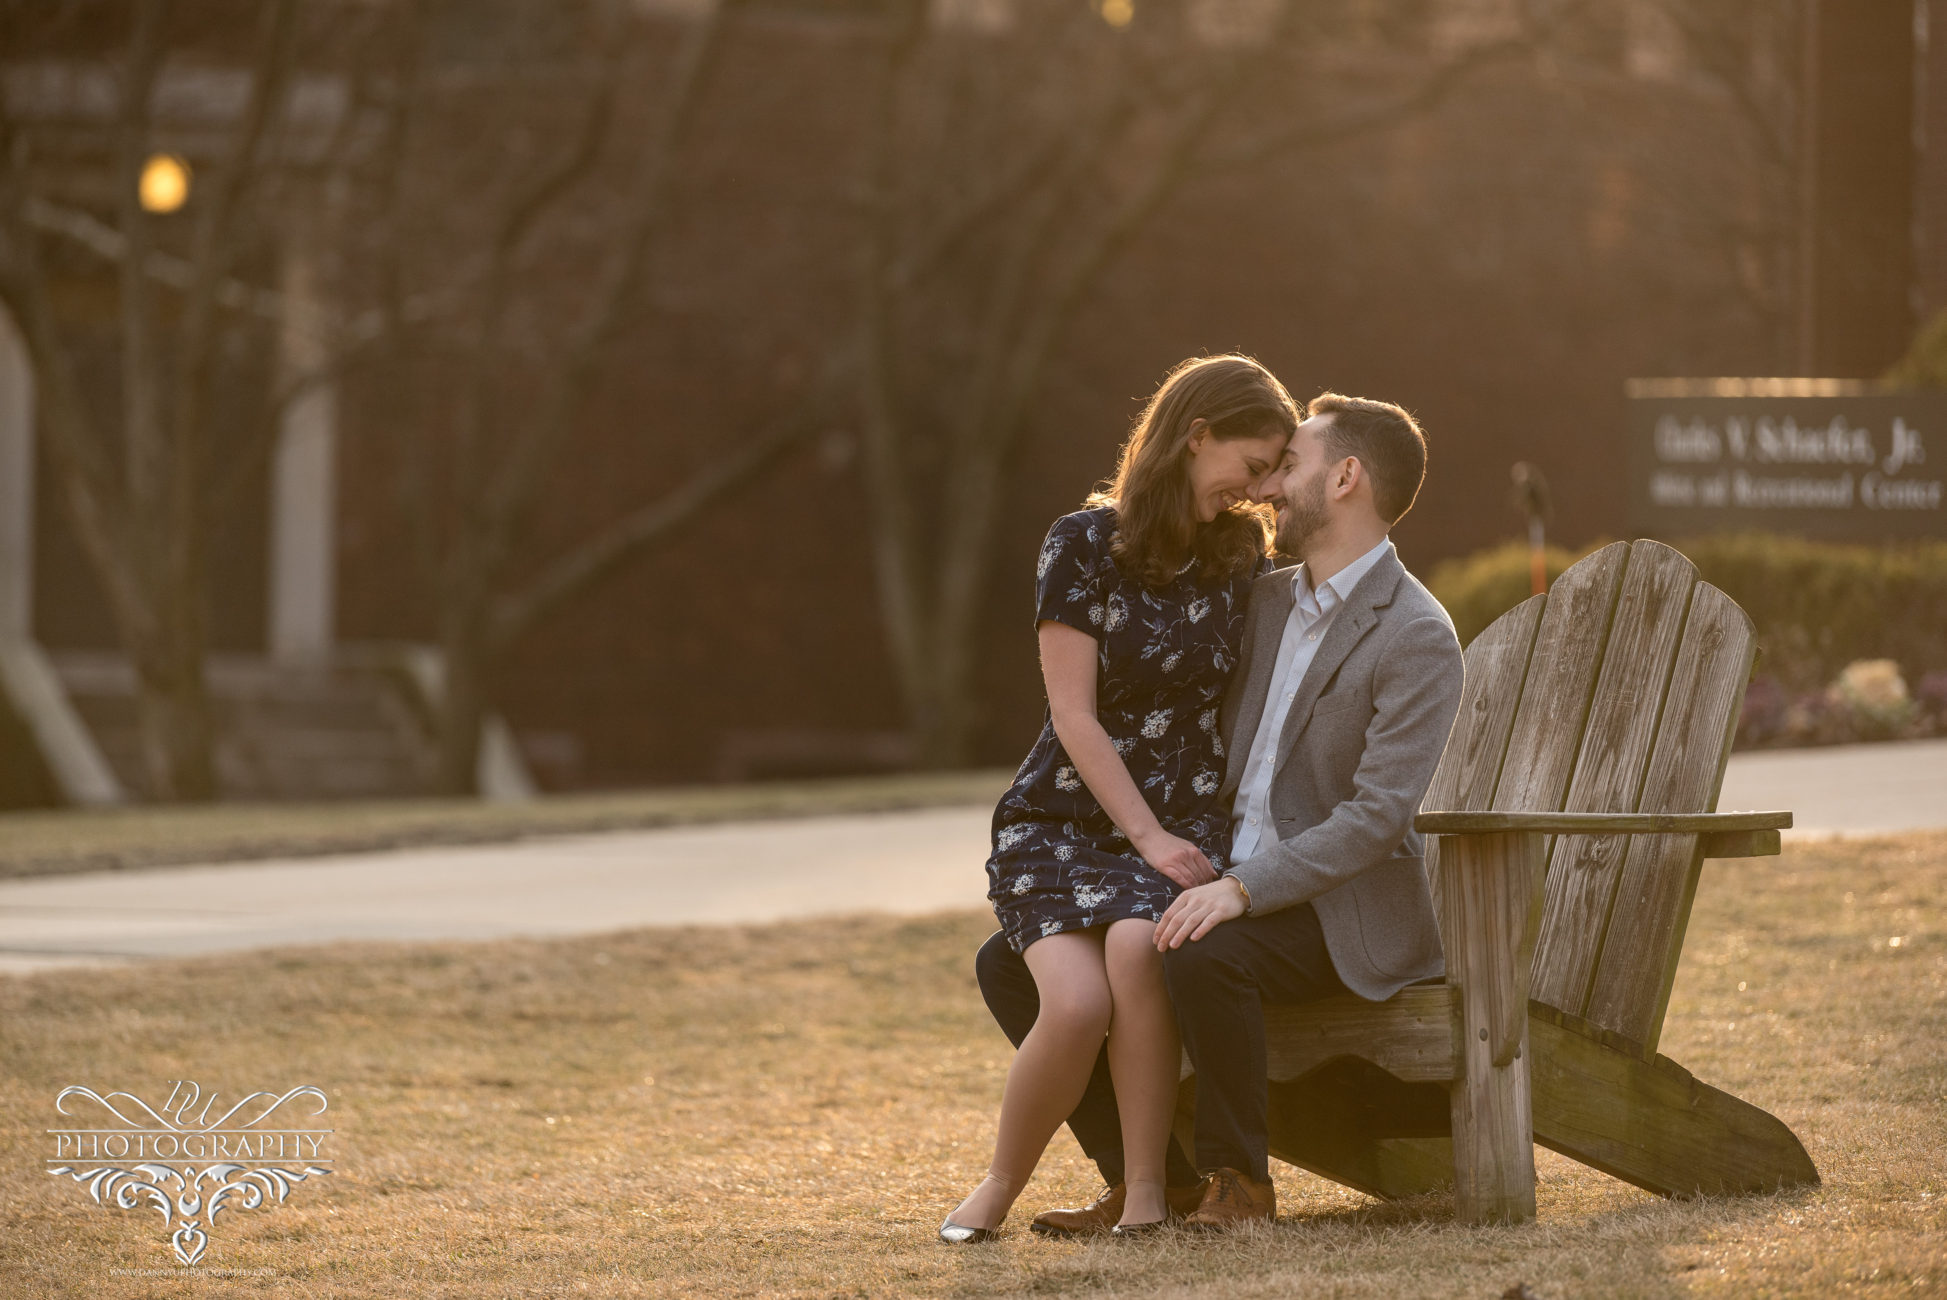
x=1271, y=602
x=1356, y=617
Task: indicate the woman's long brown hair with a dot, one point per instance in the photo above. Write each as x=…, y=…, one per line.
x=1157, y=530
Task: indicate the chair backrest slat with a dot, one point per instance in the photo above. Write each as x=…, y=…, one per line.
x=1497, y=666
x=1609, y=770
x=1561, y=680
x=1639, y=953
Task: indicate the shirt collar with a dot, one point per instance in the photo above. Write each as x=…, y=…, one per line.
x=1339, y=585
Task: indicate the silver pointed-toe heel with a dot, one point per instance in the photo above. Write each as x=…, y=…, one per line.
x=954, y=1234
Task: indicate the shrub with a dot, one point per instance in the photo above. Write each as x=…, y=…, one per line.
x=1818, y=606
x=1479, y=588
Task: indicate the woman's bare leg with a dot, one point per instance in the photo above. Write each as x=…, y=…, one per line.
x=1145, y=1060
x=1050, y=1070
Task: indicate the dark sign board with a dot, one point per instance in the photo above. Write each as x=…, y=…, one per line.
x=1819, y=458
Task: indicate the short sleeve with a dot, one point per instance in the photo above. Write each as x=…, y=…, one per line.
x=1073, y=574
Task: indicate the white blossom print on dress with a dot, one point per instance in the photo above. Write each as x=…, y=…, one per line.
x=1199, y=609
x=1156, y=724
x=1093, y=896
x=1050, y=552
x=1066, y=778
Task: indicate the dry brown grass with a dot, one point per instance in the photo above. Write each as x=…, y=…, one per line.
x=789, y=1110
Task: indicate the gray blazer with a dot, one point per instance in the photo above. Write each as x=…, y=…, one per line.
x=1358, y=750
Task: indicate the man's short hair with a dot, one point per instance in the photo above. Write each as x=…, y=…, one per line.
x=1382, y=437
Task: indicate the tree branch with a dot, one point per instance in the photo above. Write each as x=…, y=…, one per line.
x=600, y=556
x=510, y=498
x=144, y=454
x=1447, y=79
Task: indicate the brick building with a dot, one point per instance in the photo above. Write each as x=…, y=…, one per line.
x=1501, y=266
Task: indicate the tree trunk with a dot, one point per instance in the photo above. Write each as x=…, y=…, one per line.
x=462, y=697
x=173, y=709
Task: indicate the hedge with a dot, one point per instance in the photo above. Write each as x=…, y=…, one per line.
x=1818, y=606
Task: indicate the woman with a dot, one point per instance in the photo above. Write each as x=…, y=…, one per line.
x=1140, y=605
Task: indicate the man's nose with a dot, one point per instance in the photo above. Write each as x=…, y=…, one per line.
x=1268, y=491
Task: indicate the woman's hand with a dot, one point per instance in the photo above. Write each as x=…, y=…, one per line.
x=1176, y=858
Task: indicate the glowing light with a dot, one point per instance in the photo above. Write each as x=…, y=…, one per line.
x=165, y=183
x=1118, y=13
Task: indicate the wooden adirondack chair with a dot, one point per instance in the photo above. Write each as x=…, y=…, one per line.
x=1567, y=826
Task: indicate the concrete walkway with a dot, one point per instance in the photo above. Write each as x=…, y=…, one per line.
x=902, y=863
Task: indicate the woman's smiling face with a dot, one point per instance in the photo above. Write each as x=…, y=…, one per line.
x=1225, y=471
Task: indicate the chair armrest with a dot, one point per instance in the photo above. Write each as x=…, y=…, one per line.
x=1592, y=823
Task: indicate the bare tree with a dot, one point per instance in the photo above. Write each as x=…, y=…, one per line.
x=1006, y=171
x=450, y=295
x=140, y=472
x=563, y=262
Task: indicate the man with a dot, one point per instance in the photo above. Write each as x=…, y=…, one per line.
x=1333, y=726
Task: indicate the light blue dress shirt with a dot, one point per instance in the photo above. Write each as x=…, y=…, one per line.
x=1311, y=617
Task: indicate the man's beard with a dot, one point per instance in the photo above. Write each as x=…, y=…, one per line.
x=1303, y=517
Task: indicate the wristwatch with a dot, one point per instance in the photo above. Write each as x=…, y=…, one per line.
x=1243, y=889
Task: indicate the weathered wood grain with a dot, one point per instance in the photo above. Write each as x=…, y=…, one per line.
x=1639, y=954
x=1587, y=823
x=1568, y=653
x=1470, y=766
x=1411, y=1035
x=1490, y=897
x=1497, y=665
x=1583, y=870
x=1741, y=844
x=1650, y=1122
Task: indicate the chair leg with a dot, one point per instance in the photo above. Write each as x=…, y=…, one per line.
x=1652, y=1124
x=1490, y=901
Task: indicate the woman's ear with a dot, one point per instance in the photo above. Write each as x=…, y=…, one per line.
x=1199, y=435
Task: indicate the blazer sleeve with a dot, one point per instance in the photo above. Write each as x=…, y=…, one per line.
x=1416, y=695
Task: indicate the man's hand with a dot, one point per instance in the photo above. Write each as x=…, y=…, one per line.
x=1196, y=912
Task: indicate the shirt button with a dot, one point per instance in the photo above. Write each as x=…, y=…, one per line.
x=1311, y=636
x=1253, y=821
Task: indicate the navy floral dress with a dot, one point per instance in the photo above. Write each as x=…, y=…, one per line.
x=1059, y=862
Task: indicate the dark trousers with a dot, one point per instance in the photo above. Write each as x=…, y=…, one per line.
x=1219, y=985
x=1008, y=986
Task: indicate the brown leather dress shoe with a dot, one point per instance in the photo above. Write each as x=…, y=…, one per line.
x=1102, y=1213
x=1231, y=1198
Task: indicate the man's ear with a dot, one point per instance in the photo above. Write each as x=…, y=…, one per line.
x=1346, y=477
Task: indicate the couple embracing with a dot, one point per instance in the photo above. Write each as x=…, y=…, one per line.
x=1218, y=812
